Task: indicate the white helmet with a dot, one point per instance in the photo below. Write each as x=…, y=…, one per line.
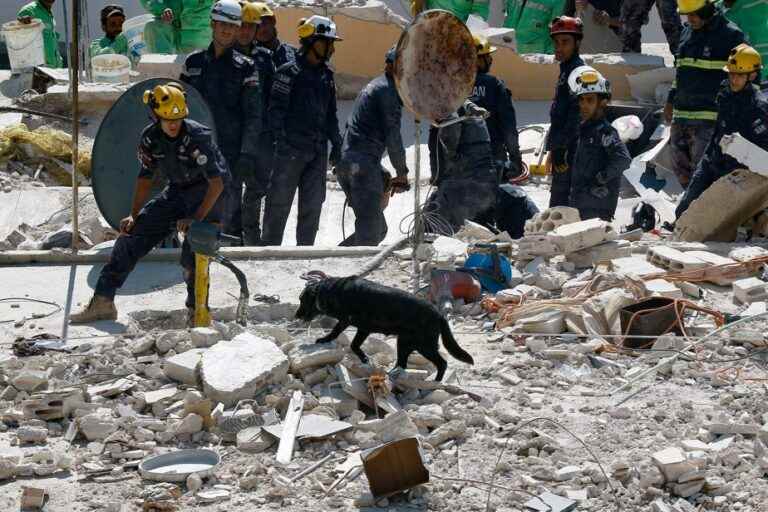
x=227, y=11
x=318, y=26
x=586, y=80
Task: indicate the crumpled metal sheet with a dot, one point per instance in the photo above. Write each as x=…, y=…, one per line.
x=436, y=65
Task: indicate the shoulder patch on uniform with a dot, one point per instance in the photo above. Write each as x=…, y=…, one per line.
x=241, y=60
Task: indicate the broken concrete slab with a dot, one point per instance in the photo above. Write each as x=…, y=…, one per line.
x=607, y=251
x=750, y=290
x=254, y=439
x=308, y=354
x=234, y=370
x=672, y=463
x=581, y=235
x=184, y=367
x=717, y=214
x=635, y=266
x=662, y=288
x=204, y=337
x=673, y=260
x=714, y=260
x=156, y=65
x=747, y=153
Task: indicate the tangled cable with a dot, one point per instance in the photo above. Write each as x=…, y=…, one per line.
x=36, y=301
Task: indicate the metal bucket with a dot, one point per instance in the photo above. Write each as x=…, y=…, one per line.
x=650, y=317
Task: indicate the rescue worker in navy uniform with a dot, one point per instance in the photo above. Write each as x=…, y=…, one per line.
x=462, y=169
x=266, y=36
x=601, y=158
x=566, y=34
x=491, y=94
x=257, y=181
x=229, y=82
x=742, y=108
x=302, y=112
x=691, y=108
x=372, y=127
x=184, y=153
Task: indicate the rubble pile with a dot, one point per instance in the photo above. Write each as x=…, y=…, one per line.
x=293, y=424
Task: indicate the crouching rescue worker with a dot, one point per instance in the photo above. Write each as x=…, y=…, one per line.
x=302, y=113
x=113, y=42
x=183, y=152
x=463, y=171
x=373, y=126
x=492, y=94
x=742, y=108
x=601, y=157
x=566, y=33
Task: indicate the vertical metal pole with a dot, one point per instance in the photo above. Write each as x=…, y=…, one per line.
x=74, y=64
x=66, y=22
x=418, y=229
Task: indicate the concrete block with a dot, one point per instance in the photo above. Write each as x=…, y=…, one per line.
x=533, y=246
x=97, y=425
x=184, y=367
x=747, y=153
x=203, y=337
x=309, y=354
x=750, y=290
x=744, y=429
x=602, y=252
x=155, y=65
x=634, y=265
x=747, y=253
x=254, y=439
x=551, y=218
x=672, y=259
x=717, y=214
x=581, y=235
x=52, y=405
x=672, y=463
x=235, y=370
x=29, y=380
x=714, y=260
x=663, y=288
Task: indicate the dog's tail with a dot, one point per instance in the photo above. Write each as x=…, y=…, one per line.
x=450, y=344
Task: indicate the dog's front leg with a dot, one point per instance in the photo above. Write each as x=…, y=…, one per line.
x=337, y=329
x=357, y=343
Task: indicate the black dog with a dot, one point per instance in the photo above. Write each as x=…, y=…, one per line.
x=371, y=308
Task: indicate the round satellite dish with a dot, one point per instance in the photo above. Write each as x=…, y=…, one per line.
x=115, y=165
x=436, y=65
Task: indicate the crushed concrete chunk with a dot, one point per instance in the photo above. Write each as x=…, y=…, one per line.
x=581, y=235
x=204, y=337
x=184, y=367
x=310, y=354
x=235, y=370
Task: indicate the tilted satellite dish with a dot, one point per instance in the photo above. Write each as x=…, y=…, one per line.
x=115, y=165
x=436, y=66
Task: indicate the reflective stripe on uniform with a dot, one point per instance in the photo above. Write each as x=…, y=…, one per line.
x=715, y=65
x=538, y=6
x=754, y=4
x=696, y=115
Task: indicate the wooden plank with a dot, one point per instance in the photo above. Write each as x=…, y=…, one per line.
x=290, y=427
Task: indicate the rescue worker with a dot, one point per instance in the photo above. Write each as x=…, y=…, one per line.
x=531, y=20
x=184, y=153
x=742, y=108
x=180, y=26
x=513, y=209
x=634, y=14
x=566, y=34
x=257, y=181
x=459, y=8
x=492, y=94
x=266, y=36
x=705, y=44
x=601, y=158
x=113, y=42
x=752, y=19
x=229, y=82
x=302, y=112
x=462, y=170
x=372, y=127
x=43, y=11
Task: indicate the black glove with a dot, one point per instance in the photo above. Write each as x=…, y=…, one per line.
x=560, y=159
x=335, y=156
x=600, y=192
x=601, y=178
x=245, y=165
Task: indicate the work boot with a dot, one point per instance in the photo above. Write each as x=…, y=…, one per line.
x=99, y=308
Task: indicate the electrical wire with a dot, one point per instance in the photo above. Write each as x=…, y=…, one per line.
x=492, y=486
x=35, y=301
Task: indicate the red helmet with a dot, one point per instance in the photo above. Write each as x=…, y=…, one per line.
x=566, y=25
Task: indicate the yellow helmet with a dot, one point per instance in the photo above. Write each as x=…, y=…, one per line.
x=483, y=46
x=254, y=11
x=167, y=101
x=743, y=59
x=691, y=6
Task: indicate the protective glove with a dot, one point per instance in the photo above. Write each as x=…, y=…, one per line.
x=335, y=156
x=560, y=159
x=245, y=165
x=400, y=184
x=601, y=178
x=600, y=192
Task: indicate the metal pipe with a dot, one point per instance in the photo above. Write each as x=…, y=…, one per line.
x=418, y=234
x=74, y=64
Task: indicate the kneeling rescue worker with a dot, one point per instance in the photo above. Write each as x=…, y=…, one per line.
x=184, y=152
x=600, y=157
x=742, y=108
